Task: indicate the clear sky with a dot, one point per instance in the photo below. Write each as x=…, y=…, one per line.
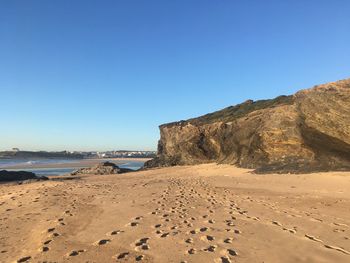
x=101, y=75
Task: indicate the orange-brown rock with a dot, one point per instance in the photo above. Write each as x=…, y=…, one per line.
x=304, y=132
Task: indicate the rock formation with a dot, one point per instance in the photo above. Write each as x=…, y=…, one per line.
x=8, y=176
x=102, y=169
x=305, y=132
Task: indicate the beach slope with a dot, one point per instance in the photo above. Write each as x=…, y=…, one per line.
x=203, y=213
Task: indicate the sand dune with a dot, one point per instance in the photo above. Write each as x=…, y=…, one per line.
x=204, y=213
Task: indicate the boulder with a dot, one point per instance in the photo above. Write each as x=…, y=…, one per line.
x=8, y=176
x=102, y=169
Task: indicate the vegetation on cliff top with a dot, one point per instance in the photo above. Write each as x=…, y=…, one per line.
x=234, y=112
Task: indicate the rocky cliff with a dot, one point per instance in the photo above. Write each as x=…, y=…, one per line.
x=305, y=132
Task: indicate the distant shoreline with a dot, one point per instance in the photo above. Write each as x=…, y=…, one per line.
x=75, y=163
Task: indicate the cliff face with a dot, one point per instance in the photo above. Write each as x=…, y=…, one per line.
x=308, y=131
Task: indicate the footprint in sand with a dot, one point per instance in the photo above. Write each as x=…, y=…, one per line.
x=139, y=258
x=230, y=223
x=103, y=242
x=193, y=232
x=48, y=242
x=142, y=244
x=133, y=224
x=276, y=223
x=337, y=248
x=227, y=254
x=232, y=252
x=192, y=251
x=158, y=232
x=123, y=255
x=228, y=240
x=340, y=224
x=116, y=232
x=76, y=252
x=164, y=235
x=203, y=229
x=145, y=247
x=207, y=238
x=293, y=231
x=326, y=245
x=189, y=240
x=224, y=260
x=313, y=238
x=24, y=259
x=142, y=241
x=210, y=248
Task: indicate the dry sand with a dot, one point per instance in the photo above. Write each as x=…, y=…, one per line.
x=204, y=213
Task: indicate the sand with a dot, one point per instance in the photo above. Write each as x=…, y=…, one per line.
x=204, y=213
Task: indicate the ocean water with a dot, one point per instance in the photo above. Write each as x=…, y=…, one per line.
x=28, y=162
x=131, y=164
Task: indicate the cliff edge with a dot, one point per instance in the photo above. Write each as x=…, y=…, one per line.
x=305, y=132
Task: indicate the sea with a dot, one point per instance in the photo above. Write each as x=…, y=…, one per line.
x=64, y=165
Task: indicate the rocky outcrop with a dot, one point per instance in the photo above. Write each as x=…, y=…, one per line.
x=305, y=132
x=102, y=169
x=8, y=176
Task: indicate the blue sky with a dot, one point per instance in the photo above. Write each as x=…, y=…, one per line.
x=100, y=75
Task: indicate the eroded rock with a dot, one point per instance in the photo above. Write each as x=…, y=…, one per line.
x=102, y=169
x=305, y=132
x=9, y=176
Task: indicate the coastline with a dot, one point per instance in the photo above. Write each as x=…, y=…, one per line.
x=74, y=163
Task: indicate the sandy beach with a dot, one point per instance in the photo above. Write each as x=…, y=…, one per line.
x=203, y=213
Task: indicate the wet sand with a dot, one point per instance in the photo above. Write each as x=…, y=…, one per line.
x=204, y=213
